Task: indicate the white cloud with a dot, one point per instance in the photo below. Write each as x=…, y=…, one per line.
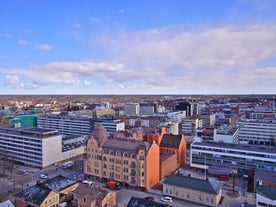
x=22, y=42
x=44, y=47
x=77, y=25
x=5, y=35
x=95, y=20
x=171, y=58
x=122, y=86
x=87, y=82
x=14, y=81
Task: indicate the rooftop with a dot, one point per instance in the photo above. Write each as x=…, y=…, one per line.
x=59, y=183
x=141, y=202
x=35, y=194
x=171, y=141
x=30, y=132
x=267, y=192
x=207, y=186
x=242, y=147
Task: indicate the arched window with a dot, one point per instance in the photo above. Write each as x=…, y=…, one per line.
x=125, y=154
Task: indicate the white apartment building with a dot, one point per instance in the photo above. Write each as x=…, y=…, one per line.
x=66, y=125
x=190, y=125
x=35, y=146
x=177, y=116
x=111, y=125
x=257, y=131
x=242, y=157
x=208, y=119
x=131, y=109
x=226, y=133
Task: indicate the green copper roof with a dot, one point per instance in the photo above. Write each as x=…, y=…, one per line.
x=207, y=186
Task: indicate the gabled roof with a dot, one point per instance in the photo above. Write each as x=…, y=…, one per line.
x=268, y=192
x=194, y=184
x=171, y=141
x=35, y=194
x=59, y=183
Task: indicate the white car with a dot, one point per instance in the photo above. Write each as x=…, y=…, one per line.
x=43, y=176
x=166, y=199
x=88, y=182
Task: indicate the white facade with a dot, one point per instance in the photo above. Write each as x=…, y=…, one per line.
x=177, y=116
x=257, y=131
x=111, y=125
x=131, y=109
x=66, y=125
x=227, y=134
x=147, y=108
x=190, y=125
x=224, y=155
x=35, y=147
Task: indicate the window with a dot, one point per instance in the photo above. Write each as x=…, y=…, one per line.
x=193, y=196
x=199, y=197
x=182, y=194
x=188, y=195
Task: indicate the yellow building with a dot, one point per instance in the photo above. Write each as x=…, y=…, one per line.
x=193, y=189
x=126, y=161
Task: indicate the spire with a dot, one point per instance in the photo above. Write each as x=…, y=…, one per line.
x=100, y=134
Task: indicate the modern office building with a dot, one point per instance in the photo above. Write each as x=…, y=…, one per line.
x=131, y=109
x=128, y=162
x=147, y=108
x=257, y=131
x=35, y=146
x=242, y=157
x=111, y=125
x=177, y=116
x=66, y=125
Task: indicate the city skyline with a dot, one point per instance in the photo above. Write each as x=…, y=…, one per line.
x=138, y=47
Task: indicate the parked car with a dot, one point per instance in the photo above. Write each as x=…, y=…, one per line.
x=23, y=171
x=166, y=199
x=88, y=182
x=44, y=176
x=149, y=198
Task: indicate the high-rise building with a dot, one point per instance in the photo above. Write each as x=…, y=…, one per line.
x=131, y=109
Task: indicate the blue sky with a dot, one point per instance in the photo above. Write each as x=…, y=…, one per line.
x=138, y=47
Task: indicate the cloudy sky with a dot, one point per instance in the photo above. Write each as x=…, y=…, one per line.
x=137, y=47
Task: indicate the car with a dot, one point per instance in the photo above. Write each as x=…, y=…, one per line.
x=44, y=176
x=80, y=180
x=149, y=198
x=166, y=199
x=23, y=171
x=88, y=182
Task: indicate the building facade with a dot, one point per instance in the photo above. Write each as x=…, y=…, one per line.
x=111, y=125
x=193, y=189
x=243, y=158
x=66, y=125
x=131, y=109
x=257, y=131
x=126, y=161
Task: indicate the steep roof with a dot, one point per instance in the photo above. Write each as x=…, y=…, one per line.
x=59, y=183
x=126, y=145
x=171, y=141
x=35, y=194
x=194, y=183
x=100, y=134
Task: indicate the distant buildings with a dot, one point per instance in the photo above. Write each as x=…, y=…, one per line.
x=131, y=109
x=111, y=125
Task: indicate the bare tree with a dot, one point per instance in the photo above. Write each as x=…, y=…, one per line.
x=22, y=180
